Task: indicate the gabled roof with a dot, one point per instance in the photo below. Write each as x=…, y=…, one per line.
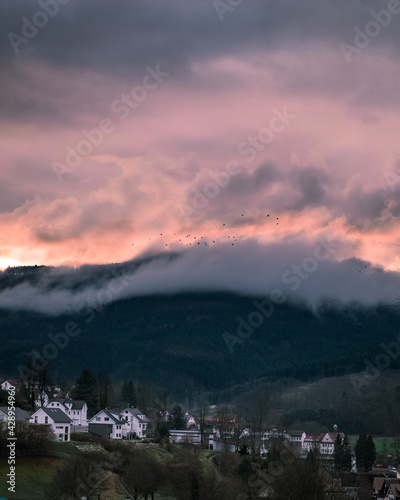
x=395, y=487
x=114, y=417
x=332, y=436
x=13, y=382
x=378, y=483
x=76, y=403
x=20, y=415
x=320, y=437
x=57, y=415
x=136, y=413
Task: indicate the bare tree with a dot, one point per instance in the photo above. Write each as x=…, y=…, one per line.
x=257, y=421
x=201, y=414
x=143, y=476
x=224, y=425
x=79, y=477
x=43, y=379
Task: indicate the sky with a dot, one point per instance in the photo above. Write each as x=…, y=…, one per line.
x=130, y=128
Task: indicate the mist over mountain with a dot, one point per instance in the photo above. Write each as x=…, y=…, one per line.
x=301, y=273
x=192, y=342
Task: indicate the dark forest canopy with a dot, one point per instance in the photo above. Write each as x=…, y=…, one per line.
x=178, y=340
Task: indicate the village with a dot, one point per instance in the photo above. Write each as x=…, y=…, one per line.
x=214, y=429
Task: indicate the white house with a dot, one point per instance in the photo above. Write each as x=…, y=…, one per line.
x=75, y=409
x=294, y=436
x=190, y=421
x=39, y=396
x=60, y=422
x=135, y=422
x=6, y=384
x=325, y=443
x=107, y=424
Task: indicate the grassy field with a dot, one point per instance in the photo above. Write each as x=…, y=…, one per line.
x=34, y=474
x=381, y=443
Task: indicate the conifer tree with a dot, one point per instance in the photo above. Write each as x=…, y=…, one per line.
x=86, y=389
x=370, y=453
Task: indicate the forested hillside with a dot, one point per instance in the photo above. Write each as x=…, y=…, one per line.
x=176, y=342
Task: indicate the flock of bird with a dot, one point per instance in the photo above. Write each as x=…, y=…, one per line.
x=207, y=241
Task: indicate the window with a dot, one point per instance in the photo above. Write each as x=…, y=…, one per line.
x=98, y=419
x=35, y=420
x=46, y=420
x=106, y=419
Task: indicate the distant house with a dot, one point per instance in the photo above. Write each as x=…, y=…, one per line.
x=20, y=415
x=39, y=396
x=380, y=488
x=393, y=488
x=184, y=436
x=6, y=384
x=325, y=443
x=295, y=436
x=218, y=444
x=75, y=409
x=190, y=422
x=135, y=422
x=272, y=432
x=59, y=422
x=106, y=423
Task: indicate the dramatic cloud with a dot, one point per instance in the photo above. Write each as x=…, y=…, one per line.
x=128, y=125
